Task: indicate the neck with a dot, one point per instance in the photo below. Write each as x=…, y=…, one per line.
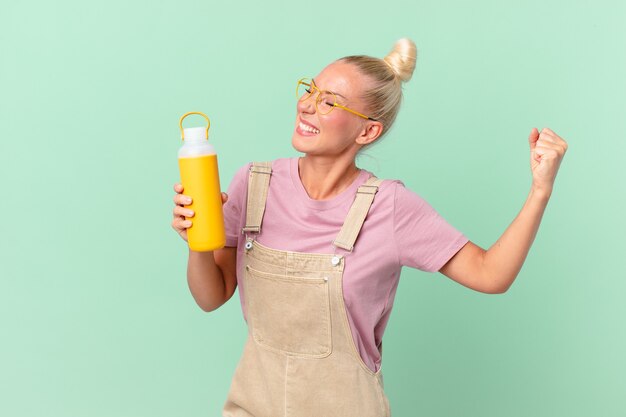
x=323, y=178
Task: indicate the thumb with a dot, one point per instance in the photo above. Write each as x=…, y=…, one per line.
x=533, y=138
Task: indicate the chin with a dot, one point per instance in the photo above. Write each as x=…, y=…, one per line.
x=298, y=144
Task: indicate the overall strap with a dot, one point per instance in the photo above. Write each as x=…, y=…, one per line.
x=357, y=214
x=258, y=184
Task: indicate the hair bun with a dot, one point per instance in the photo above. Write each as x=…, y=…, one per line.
x=402, y=58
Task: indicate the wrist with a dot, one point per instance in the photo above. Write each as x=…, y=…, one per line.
x=201, y=254
x=541, y=191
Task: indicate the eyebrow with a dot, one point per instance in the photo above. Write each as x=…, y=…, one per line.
x=313, y=80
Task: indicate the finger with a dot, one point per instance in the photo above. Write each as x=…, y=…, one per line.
x=183, y=212
x=224, y=197
x=177, y=224
x=178, y=188
x=533, y=137
x=182, y=200
x=542, y=149
x=557, y=139
x=537, y=153
x=551, y=132
x=547, y=137
x=181, y=224
x=558, y=145
x=550, y=135
x=546, y=141
x=546, y=151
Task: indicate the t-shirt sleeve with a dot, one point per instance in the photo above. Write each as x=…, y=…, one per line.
x=424, y=239
x=237, y=194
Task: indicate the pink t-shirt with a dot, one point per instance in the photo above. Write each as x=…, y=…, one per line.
x=401, y=229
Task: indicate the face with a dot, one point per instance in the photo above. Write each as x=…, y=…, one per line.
x=337, y=132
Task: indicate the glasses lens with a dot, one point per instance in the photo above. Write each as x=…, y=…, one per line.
x=326, y=102
x=304, y=89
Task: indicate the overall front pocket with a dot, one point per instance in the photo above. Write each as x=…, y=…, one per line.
x=289, y=314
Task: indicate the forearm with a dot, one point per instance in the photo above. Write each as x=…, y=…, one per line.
x=504, y=259
x=205, y=280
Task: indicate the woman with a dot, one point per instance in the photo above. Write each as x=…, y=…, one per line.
x=316, y=246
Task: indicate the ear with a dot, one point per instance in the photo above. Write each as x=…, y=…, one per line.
x=371, y=131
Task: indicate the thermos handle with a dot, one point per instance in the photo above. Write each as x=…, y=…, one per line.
x=182, y=131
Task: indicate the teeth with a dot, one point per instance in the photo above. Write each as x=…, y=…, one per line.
x=307, y=128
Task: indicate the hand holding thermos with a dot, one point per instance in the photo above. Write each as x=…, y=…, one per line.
x=183, y=216
x=198, y=216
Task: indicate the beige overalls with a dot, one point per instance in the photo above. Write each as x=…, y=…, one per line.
x=300, y=359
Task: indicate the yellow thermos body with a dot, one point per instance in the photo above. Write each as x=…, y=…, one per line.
x=199, y=176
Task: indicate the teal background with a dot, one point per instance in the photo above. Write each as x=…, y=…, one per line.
x=97, y=319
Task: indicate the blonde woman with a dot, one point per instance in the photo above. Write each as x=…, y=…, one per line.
x=316, y=245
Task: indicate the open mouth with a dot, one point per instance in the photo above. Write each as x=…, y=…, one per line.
x=304, y=128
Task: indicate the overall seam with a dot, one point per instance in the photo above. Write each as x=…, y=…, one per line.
x=286, y=372
x=346, y=323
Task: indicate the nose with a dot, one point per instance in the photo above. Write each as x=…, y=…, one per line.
x=307, y=106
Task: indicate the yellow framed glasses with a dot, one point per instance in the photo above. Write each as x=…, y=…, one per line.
x=325, y=102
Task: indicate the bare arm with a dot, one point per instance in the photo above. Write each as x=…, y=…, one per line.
x=493, y=271
x=211, y=276
x=504, y=259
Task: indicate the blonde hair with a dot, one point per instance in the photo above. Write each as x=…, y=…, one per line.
x=384, y=98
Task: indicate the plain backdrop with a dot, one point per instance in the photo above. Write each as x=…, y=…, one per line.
x=96, y=316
